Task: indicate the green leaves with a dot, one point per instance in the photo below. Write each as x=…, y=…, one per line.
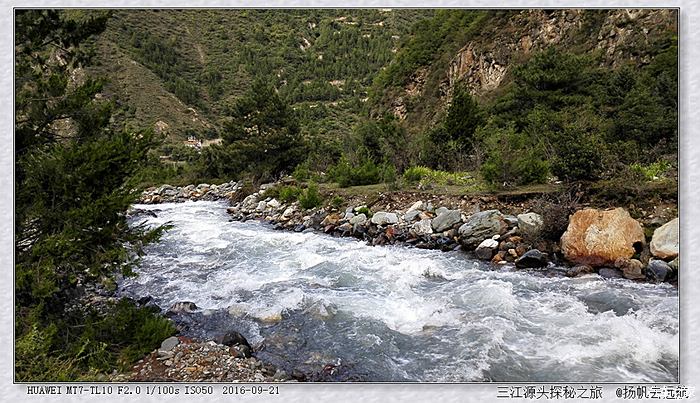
x=263, y=138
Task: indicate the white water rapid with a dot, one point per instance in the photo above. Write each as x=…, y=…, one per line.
x=402, y=314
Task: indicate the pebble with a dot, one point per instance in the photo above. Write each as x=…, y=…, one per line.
x=199, y=362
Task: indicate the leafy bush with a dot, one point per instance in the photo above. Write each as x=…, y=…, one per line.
x=424, y=174
x=512, y=158
x=310, y=197
x=345, y=174
x=364, y=210
x=283, y=193
x=289, y=194
x=416, y=173
x=88, y=343
x=302, y=172
x=649, y=172
x=389, y=176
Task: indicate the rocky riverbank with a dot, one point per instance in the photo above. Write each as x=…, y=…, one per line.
x=609, y=242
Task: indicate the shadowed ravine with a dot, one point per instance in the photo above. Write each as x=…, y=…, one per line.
x=401, y=314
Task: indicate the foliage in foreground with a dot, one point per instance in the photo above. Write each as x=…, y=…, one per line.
x=73, y=183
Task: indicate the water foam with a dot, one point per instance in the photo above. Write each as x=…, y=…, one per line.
x=415, y=314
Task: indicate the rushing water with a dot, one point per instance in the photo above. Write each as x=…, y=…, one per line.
x=402, y=314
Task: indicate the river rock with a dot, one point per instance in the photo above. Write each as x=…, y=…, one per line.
x=331, y=219
x=530, y=224
x=631, y=268
x=232, y=338
x=579, y=270
x=169, y=343
x=486, y=249
x=511, y=220
x=599, y=238
x=262, y=205
x=411, y=215
x=441, y=210
x=480, y=226
x=417, y=206
x=531, y=259
x=273, y=204
x=358, y=219
x=384, y=218
x=606, y=272
x=658, y=269
x=422, y=227
x=674, y=263
x=182, y=307
x=288, y=212
x=664, y=242
x=446, y=219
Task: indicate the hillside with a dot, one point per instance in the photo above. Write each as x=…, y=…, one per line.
x=179, y=71
x=482, y=51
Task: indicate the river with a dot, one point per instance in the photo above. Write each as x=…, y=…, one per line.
x=398, y=313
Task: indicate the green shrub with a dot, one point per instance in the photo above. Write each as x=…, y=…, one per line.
x=364, y=210
x=337, y=202
x=415, y=174
x=424, y=174
x=345, y=174
x=389, y=176
x=653, y=171
x=302, y=172
x=284, y=193
x=85, y=344
x=310, y=197
x=511, y=158
x=288, y=194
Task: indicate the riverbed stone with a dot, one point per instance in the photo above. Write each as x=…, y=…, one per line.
x=262, y=205
x=664, y=243
x=445, y=219
x=411, y=215
x=675, y=263
x=169, y=343
x=480, y=226
x=486, y=249
x=418, y=206
x=331, y=219
x=530, y=224
x=358, y=219
x=632, y=269
x=658, y=270
x=182, y=307
x=579, y=270
x=600, y=237
x=384, y=218
x=533, y=258
x=422, y=227
x=607, y=272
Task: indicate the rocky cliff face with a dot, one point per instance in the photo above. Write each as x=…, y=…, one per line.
x=620, y=35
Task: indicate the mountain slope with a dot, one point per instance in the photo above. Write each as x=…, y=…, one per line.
x=206, y=59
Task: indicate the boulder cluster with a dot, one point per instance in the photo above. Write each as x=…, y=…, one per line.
x=203, y=191
x=490, y=235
